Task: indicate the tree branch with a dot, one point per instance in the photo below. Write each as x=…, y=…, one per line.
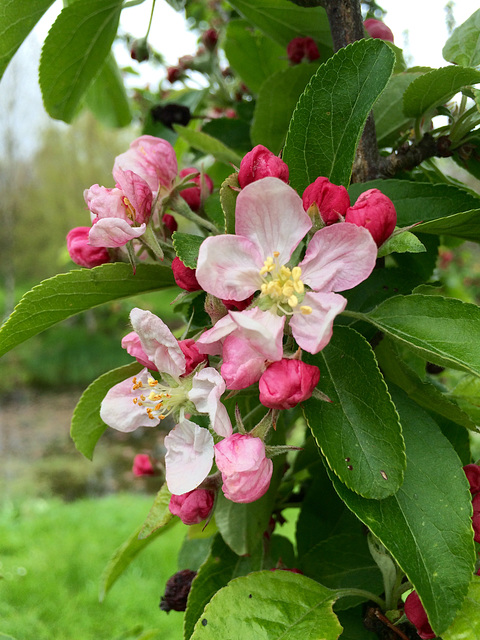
x=410, y=156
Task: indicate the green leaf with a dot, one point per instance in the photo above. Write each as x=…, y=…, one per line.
x=467, y=394
x=253, y=56
x=358, y=432
x=353, y=627
x=445, y=331
x=426, y=524
x=276, y=102
x=463, y=46
x=420, y=202
x=159, y=515
x=208, y=145
x=270, y=605
x=282, y=21
x=233, y=132
x=67, y=294
x=465, y=225
x=74, y=52
x=124, y=555
x=422, y=392
x=331, y=113
x=218, y=569
x=466, y=625
x=17, y=19
x=187, y=247
x=178, y=5
x=87, y=426
x=106, y=97
x=228, y=199
x=435, y=88
x=390, y=120
x=404, y=242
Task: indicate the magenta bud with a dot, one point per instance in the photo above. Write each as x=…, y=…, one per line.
x=378, y=29
x=259, y=163
x=195, y=196
x=476, y=517
x=142, y=465
x=174, y=74
x=331, y=199
x=133, y=346
x=192, y=507
x=472, y=471
x=417, y=615
x=193, y=357
x=287, y=382
x=184, y=276
x=238, y=305
x=376, y=212
x=81, y=252
x=302, y=49
x=210, y=39
x=169, y=223
x=246, y=471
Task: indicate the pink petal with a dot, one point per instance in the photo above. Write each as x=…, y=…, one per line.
x=105, y=203
x=313, y=331
x=270, y=214
x=211, y=341
x=207, y=389
x=118, y=409
x=229, y=266
x=242, y=364
x=151, y=158
x=262, y=329
x=158, y=342
x=131, y=343
x=113, y=232
x=338, y=257
x=189, y=457
x=138, y=193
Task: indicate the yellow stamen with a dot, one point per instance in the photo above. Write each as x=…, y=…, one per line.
x=306, y=310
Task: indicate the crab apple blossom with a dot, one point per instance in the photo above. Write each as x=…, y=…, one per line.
x=81, y=252
x=192, y=507
x=119, y=214
x=270, y=222
x=194, y=196
x=260, y=163
x=246, y=471
x=133, y=346
x=142, y=465
x=247, y=341
x=417, y=615
x=378, y=29
x=331, y=200
x=300, y=49
x=184, y=276
x=376, y=212
x=152, y=159
x=472, y=471
x=287, y=382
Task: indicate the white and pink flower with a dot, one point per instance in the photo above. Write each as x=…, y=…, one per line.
x=270, y=223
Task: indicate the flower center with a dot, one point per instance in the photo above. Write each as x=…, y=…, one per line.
x=130, y=210
x=159, y=400
x=282, y=287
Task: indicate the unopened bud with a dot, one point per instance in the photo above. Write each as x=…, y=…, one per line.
x=193, y=357
x=142, y=465
x=81, y=252
x=287, y=382
x=376, y=212
x=139, y=50
x=210, y=39
x=378, y=29
x=195, y=196
x=192, y=507
x=417, y=615
x=259, y=163
x=184, y=276
x=332, y=200
x=302, y=49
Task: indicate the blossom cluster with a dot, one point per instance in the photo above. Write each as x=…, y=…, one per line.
x=272, y=290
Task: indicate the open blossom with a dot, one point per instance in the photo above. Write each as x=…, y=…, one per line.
x=119, y=214
x=246, y=472
x=150, y=158
x=270, y=222
x=143, y=401
x=287, y=382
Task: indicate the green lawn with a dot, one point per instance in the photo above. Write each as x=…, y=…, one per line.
x=51, y=557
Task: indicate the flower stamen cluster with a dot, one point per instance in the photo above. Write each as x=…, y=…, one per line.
x=162, y=400
x=281, y=286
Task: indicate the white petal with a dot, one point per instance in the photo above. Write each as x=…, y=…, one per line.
x=113, y=232
x=207, y=388
x=313, y=331
x=262, y=329
x=270, y=214
x=158, y=342
x=338, y=257
x=189, y=457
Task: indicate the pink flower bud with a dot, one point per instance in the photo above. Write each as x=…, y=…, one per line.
x=192, y=507
x=169, y=223
x=378, y=29
x=300, y=49
x=374, y=211
x=417, y=615
x=131, y=343
x=184, y=276
x=210, y=39
x=195, y=196
x=246, y=472
x=238, y=305
x=287, y=382
x=259, y=163
x=476, y=517
x=332, y=200
x=472, y=471
x=142, y=465
x=174, y=74
x=81, y=252
x=193, y=357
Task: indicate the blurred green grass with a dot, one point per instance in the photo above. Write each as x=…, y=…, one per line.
x=52, y=555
